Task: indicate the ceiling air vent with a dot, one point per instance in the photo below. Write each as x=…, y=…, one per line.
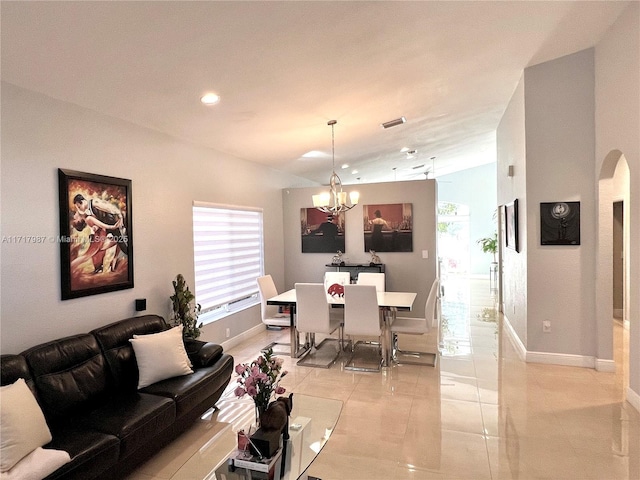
x=393, y=123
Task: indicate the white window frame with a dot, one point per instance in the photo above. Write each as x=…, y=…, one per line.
x=218, y=305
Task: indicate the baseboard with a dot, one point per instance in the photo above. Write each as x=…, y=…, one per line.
x=565, y=359
x=517, y=344
x=238, y=339
x=605, y=365
x=546, y=358
x=633, y=398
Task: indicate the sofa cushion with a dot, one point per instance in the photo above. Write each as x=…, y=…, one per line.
x=13, y=367
x=91, y=452
x=135, y=418
x=22, y=424
x=160, y=356
x=191, y=390
x=70, y=374
x=118, y=351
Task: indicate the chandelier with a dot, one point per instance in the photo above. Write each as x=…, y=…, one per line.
x=335, y=200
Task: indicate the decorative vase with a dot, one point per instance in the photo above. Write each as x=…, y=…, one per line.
x=260, y=409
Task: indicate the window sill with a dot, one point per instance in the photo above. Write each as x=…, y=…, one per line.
x=211, y=317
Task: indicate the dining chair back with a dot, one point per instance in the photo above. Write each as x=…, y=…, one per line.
x=418, y=326
x=314, y=315
x=270, y=313
x=312, y=309
x=362, y=318
x=371, y=278
x=331, y=278
x=271, y=316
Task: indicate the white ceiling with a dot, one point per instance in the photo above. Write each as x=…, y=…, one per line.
x=283, y=69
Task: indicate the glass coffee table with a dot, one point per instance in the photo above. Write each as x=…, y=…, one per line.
x=311, y=423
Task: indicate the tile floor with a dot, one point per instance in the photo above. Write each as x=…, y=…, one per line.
x=481, y=413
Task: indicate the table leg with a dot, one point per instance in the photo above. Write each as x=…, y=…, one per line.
x=296, y=350
x=388, y=314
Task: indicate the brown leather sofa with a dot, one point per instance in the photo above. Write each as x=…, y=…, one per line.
x=86, y=386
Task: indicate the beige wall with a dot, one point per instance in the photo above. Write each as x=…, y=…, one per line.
x=40, y=135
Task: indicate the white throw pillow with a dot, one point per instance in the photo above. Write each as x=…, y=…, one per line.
x=160, y=356
x=37, y=465
x=23, y=427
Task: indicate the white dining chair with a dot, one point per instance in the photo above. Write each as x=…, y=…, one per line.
x=314, y=315
x=371, y=278
x=362, y=318
x=341, y=278
x=418, y=326
x=271, y=316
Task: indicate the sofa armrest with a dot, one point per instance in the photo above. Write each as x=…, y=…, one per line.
x=202, y=354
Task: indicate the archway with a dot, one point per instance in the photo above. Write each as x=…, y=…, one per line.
x=613, y=186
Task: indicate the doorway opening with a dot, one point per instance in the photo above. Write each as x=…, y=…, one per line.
x=453, y=239
x=613, y=266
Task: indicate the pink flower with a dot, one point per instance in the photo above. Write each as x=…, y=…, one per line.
x=260, y=378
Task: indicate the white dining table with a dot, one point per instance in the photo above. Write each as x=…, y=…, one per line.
x=389, y=302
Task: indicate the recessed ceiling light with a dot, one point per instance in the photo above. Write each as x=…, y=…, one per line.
x=314, y=154
x=210, y=98
x=354, y=171
x=346, y=165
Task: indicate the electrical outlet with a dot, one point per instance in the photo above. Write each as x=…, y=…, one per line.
x=228, y=332
x=546, y=326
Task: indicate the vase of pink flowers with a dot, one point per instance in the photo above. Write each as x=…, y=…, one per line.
x=260, y=379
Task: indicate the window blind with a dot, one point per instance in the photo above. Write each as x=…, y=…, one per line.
x=228, y=253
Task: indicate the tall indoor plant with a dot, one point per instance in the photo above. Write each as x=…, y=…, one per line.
x=489, y=245
x=185, y=309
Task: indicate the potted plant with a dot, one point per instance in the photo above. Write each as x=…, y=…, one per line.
x=489, y=245
x=185, y=310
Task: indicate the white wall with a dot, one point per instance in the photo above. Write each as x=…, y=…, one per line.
x=405, y=271
x=511, y=150
x=40, y=135
x=617, y=91
x=475, y=187
x=560, y=136
x=573, y=119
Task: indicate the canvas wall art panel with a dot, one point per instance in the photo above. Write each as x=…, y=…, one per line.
x=96, y=247
x=511, y=225
x=560, y=223
x=321, y=232
x=388, y=227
